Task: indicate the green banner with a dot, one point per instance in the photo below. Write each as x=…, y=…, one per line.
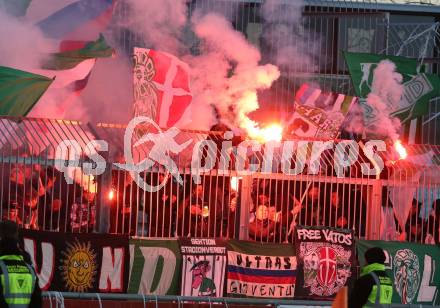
x=419, y=88
x=155, y=267
x=414, y=269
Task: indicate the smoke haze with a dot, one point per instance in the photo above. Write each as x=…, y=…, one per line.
x=384, y=98
x=227, y=72
x=284, y=32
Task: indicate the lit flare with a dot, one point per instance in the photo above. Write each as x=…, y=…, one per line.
x=111, y=194
x=273, y=132
x=234, y=183
x=400, y=149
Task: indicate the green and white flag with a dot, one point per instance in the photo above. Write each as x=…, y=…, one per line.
x=413, y=268
x=20, y=90
x=419, y=87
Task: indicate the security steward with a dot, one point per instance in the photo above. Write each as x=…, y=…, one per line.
x=18, y=281
x=374, y=287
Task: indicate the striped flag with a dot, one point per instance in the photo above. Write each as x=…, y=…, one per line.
x=318, y=114
x=161, y=88
x=261, y=271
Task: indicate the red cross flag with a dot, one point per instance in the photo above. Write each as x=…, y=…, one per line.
x=161, y=88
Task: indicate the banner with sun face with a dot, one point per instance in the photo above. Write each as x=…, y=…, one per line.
x=78, y=262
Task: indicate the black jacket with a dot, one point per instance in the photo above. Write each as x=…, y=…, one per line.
x=11, y=248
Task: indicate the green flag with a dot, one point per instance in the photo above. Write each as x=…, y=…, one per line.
x=69, y=59
x=19, y=91
x=15, y=8
x=419, y=87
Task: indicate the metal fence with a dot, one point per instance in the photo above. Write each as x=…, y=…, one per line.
x=61, y=300
x=264, y=205
x=58, y=299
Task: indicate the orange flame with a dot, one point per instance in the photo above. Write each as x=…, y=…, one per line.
x=400, y=149
x=111, y=194
x=273, y=132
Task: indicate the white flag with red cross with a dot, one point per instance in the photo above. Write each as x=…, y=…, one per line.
x=161, y=88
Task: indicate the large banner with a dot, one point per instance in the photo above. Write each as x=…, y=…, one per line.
x=413, y=268
x=262, y=271
x=69, y=262
x=204, y=263
x=155, y=267
x=318, y=114
x=326, y=258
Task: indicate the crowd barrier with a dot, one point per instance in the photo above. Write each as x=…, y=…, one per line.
x=401, y=203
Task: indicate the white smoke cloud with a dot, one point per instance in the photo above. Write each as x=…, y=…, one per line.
x=234, y=96
x=285, y=34
x=158, y=22
x=384, y=98
x=108, y=96
x=22, y=46
x=354, y=121
x=381, y=102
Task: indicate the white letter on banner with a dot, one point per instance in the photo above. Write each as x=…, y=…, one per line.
x=45, y=275
x=112, y=269
x=426, y=291
x=151, y=257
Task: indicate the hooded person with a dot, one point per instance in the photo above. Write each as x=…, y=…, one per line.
x=18, y=280
x=374, y=287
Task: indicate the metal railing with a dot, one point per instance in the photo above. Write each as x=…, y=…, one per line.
x=58, y=298
x=261, y=206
